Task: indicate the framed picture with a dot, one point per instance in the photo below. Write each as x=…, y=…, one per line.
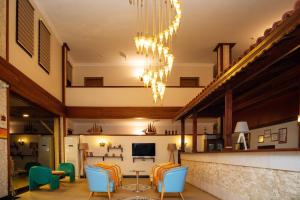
x=282, y=135
x=267, y=133
x=274, y=137
x=261, y=139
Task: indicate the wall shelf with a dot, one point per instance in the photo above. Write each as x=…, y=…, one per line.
x=143, y=158
x=118, y=148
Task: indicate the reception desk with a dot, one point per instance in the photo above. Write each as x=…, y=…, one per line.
x=263, y=174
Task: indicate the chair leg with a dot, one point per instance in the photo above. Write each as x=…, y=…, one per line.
x=162, y=193
x=109, y=195
x=91, y=194
x=181, y=195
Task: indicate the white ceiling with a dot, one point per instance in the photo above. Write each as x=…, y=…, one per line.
x=97, y=30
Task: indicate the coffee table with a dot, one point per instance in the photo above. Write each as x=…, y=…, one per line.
x=137, y=172
x=59, y=173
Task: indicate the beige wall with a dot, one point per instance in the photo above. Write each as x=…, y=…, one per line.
x=127, y=75
x=3, y=28
x=29, y=65
x=133, y=97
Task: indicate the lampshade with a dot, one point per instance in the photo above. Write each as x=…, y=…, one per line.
x=172, y=147
x=241, y=127
x=83, y=146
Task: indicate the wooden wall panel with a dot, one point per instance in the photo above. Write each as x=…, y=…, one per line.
x=121, y=112
x=272, y=111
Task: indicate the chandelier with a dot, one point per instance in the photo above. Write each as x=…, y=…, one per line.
x=157, y=24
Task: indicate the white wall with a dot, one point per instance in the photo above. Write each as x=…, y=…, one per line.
x=29, y=65
x=3, y=143
x=127, y=75
x=135, y=126
x=292, y=135
x=127, y=97
x=162, y=155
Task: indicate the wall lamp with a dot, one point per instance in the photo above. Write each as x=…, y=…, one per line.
x=21, y=142
x=298, y=119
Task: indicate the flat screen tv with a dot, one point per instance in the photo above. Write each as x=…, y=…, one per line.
x=143, y=149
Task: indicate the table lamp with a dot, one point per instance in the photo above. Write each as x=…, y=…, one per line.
x=242, y=128
x=82, y=148
x=172, y=147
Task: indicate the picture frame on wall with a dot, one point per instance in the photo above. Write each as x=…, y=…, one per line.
x=267, y=133
x=282, y=135
x=274, y=137
x=261, y=139
x=3, y=133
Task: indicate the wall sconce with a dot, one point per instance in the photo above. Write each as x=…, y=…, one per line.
x=298, y=118
x=102, y=142
x=21, y=141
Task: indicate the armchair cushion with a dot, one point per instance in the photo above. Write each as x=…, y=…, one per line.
x=40, y=176
x=69, y=170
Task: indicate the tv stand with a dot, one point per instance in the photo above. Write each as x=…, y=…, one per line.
x=143, y=158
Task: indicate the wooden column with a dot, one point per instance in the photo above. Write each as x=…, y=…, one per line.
x=65, y=50
x=227, y=134
x=298, y=118
x=194, y=132
x=182, y=135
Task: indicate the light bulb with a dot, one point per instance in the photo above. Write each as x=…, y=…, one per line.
x=161, y=37
x=161, y=74
x=170, y=61
x=166, y=51
x=159, y=49
x=171, y=31
x=166, y=35
x=155, y=97
x=153, y=47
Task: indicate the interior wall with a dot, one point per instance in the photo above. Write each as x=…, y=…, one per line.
x=127, y=75
x=3, y=28
x=162, y=155
x=20, y=162
x=136, y=126
x=3, y=141
x=292, y=136
x=29, y=65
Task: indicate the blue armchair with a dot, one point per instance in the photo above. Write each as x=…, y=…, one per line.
x=173, y=181
x=98, y=181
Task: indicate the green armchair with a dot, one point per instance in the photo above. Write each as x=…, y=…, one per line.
x=69, y=170
x=39, y=176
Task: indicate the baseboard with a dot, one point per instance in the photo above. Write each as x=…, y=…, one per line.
x=134, y=176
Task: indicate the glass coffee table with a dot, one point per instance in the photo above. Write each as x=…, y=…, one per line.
x=137, y=172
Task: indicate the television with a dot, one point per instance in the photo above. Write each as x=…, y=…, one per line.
x=143, y=149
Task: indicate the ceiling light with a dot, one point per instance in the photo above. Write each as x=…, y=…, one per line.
x=157, y=24
x=25, y=115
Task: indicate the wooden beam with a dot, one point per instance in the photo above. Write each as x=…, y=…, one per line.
x=182, y=135
x=195, y=132
x=227, y=135
x=121, y=112
x=28, y=89
x=65, y=50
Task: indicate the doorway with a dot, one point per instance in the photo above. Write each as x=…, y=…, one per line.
x=31, y=132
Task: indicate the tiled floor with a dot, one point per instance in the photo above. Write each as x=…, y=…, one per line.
x=79, y=190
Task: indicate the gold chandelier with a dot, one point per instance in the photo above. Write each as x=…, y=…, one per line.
x=157, y=24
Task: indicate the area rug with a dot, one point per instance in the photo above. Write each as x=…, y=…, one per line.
x=139, y=198
x=132, y=187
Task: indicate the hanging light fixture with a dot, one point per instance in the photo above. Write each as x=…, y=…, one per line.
x=157, y=24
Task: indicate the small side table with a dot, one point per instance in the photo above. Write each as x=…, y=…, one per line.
x=58, y=173
x=137, y=172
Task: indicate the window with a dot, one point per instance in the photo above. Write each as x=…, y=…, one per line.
x=189, y=81
x=25, y=26
x=93, y=81
x=44, y=47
